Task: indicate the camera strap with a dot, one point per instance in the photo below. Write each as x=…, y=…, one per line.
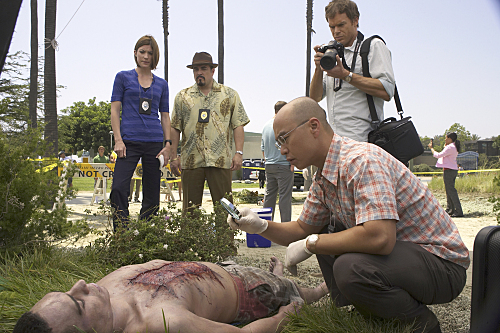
x=355, y=55
x=338, y=82
x=365, y=49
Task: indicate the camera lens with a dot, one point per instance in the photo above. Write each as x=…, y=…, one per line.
x=329, y=60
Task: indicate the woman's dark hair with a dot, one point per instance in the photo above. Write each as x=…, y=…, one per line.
x=454, y=138
x=31, y=322
x=148, y=40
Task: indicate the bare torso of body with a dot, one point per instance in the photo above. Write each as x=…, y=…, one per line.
x=178, y=288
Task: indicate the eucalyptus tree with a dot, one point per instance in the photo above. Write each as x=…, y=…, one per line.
x=309, y=18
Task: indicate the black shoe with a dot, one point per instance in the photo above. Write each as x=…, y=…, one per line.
x=456, y=215
x=137, y=200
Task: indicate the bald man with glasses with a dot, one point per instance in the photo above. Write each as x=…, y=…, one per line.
x=383, y=242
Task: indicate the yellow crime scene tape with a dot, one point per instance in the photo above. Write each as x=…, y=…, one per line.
x=416, y=173
x=462, y=171
x=106, y=170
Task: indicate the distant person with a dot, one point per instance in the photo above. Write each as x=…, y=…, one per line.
x=262, y=178
x=100, y=158
x=144, y=130
x=382, y=241
x=279, y=172
x=447, y=159
x=192, y=297
x=209, y=115
x=63, y=157
x=344, y=85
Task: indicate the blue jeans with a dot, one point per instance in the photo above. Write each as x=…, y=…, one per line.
x=124, y=169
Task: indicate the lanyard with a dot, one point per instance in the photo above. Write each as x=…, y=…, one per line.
x=141, y=89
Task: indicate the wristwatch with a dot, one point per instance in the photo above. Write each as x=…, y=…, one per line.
x=348, y=78
x=239, y=152
x=165, y=142
x=311, y=240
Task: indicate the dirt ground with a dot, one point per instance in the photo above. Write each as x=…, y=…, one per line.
x=475, y=208
x=454, y=317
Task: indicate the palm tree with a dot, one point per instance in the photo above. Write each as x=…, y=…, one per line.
x=220, y=7
x=50, y=77
x=309, y=18
x=33, y=95
x=165, y=35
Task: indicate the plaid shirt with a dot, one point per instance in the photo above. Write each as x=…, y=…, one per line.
x=361, y=182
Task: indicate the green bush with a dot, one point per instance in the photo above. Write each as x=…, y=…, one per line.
x=27, y=194
x=481, y=182
x=422, y=168
x=246, y=196
x=171, y=235
x=496, y=200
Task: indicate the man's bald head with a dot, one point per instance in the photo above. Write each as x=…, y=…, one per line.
x=302, y=109
x=304, y=133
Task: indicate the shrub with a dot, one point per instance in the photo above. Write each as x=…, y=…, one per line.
x=27, y=193
x=481, y=182
x=496, y=200
x=171, y=235
x=246, y=196
x=422, y=168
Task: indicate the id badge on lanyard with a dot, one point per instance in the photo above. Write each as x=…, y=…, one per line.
x=145, y=103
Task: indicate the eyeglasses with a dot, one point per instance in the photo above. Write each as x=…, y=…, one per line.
x=281, y=139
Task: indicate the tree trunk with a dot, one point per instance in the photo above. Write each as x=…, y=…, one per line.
x=33, y=96
x=309, y=16
x=165, y=35
x=220, y=7
x=50, y=79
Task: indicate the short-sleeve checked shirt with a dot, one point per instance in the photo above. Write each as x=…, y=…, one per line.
x=207, y=144
x=361, y=182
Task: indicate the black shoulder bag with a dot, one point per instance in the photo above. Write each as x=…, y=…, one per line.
x=398, y=137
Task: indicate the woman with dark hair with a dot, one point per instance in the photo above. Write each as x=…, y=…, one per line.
x=144, y=130
x=447, y=159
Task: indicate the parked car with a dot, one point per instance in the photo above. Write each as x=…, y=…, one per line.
x=298, y=179
x=254, y=175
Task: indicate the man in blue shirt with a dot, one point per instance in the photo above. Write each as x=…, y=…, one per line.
x=279, y=172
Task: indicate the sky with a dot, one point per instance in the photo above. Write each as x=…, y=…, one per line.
x=445, y=53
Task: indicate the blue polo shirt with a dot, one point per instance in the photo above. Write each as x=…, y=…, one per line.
x=135, y=126
x=268, y=146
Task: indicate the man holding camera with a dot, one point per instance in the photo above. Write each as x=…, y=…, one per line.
x=209, y=115
x=344, y=85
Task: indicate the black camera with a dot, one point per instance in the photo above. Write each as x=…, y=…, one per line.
x=330, y=50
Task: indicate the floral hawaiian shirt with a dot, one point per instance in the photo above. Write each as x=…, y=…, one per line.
x=207, y=136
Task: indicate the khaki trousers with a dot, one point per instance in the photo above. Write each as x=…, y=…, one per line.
x=193, y=182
